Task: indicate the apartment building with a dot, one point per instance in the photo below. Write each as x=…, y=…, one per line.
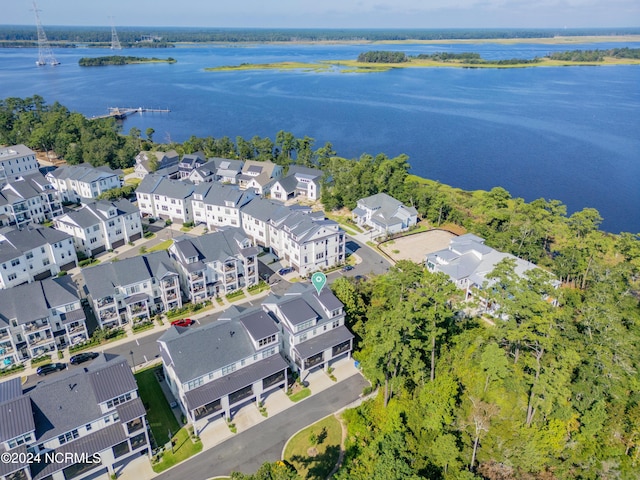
x=79, y=183
x=133, y=289
x=87, y=421
x=34, y=253
x=39, y=318
x=100, y=226
x=215, y=264
x=15, y=161
x=219, y=205
x=28, y=199
x=218, y=368
x=161, y=197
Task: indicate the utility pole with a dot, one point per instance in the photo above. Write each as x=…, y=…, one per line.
x=115, y=42
x=45, y=54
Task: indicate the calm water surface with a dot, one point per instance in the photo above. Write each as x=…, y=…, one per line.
x=571, y=134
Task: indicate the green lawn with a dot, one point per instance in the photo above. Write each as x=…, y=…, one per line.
x=159, y=414
x=296, y=397
x=317, y=464
x=161, y=246
x=183, y=448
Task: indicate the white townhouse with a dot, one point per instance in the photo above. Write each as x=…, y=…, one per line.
x=40, y=318
x=215, y=370
x=34, y=253
x=150, y=162
x=312, y=330
x=91, y=420
x=300, y=181
x=133, y=289
x=218, y=205
x=467, y=261
x=15, y=161
x=161, y=197
x=77, y=183
x=217, y=169
x=256, y=216
x=102, y=225
x=28, y=199
x=215, y=264
x=189, y=163
x=259, y=175
x=384, y=214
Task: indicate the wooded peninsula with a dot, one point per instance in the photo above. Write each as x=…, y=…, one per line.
x=536, y=392
x=120, y=60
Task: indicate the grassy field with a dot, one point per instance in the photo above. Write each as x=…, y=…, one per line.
x=271, y=66
x=183, y=448
x=159, y=414
x=315, y=450
x=161, y=246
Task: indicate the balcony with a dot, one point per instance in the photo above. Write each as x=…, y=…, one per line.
x=313, y=361
x=105, y=301
x=197, y=288
x=169, y=283
x=229, y=267
x=76, y=328
x=4, y=334
x=36, y=341
x=171, y=296
x=194, y=277
x=250, y=261
x=108, y=314
x=35, y=326
x=6, y=349
x=230, y=279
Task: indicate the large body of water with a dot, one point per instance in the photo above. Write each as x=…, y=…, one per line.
x=566, y=133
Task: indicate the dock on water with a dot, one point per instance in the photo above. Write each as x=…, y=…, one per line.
x=120, y=113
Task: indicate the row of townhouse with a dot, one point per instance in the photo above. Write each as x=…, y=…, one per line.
x=161, y=197
x=215, y=264
x=101, y=225
x=216, y=369
x=34, y=253
x=39, y=318
x=76, y=183
x=83, y=423
x=15, y=161
x=134, y=289
x=28, y=199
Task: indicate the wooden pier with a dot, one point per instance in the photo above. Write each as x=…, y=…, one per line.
x=120, y=113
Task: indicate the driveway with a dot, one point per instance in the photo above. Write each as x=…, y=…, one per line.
x=248, y=450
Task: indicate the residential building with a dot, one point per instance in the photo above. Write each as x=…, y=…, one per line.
x=219, y=205
x=216, y=369
x=467, y=261
x=150, y=162
x=28, y=199
x=189, y=163
x=215, y=264
x=311, y=324
x=300, y=181
x=256, y=217
x=133, y=289
x=15, y=161
x=259, y=175
x=40, y=318
x=102, y=225
x=216, y=169
x=384, y=214
x=77, y=183
x=161, y=197
x=34, y=253
x=83, y=423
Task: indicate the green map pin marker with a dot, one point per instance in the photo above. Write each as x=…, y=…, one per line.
x=318, y=279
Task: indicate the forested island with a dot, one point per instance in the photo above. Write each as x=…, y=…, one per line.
x=538, y=392
x=120, y=60
x=383, y=60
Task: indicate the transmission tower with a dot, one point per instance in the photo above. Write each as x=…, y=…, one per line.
x=115, y=43
x=45, y=54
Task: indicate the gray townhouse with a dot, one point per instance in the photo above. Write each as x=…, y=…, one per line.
x=17, y=160
x=215, y=264
x=299, y=181
x=189, y=163
x=40, y=318
x=28, y=199
x=102, y=225
x=216, y=369
x=151, y=162
x=311, y=326
x=218, y=205
x=79, y=183
x=133, y=289
x=221, y=170
x=161, y=197
x=384, y=215
x=34, y=253
x=84, y=423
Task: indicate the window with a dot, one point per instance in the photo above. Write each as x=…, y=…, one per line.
x=229, y=369
x=67, y=437
x=88, y=427
x=336, y=324
x=15, y=262
x=319, y=256
x=12, y=276
x=29, y=255
x=119, y=400
x=45, y=262
x=194, y=383
x=96, y=228
x=269, y=352
x=265, y=341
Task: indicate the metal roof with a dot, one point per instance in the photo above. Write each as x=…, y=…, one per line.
x=259, y=324
x=16, y=418
x=131, y=410
x=324, y=341
x=112, y=381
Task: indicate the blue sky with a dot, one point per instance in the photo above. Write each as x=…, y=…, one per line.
x=329, y=13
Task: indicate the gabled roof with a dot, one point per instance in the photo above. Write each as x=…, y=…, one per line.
x=16, y=418
x=301, y=303
x=387, y=210
x=256, y=167
x=14, y=242
x=217, y=246
x=83, y=173
x=265, y=210
x=288, y=183
x=15, y=151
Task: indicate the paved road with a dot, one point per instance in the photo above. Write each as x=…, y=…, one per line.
x=248, y=450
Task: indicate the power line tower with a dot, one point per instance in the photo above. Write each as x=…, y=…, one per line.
x=45, y=54
x=115, y=43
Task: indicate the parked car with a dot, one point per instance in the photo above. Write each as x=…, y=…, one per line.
x=360, y=278
x=346, y=268
x=50, y=368
x=183, y=322
x=284, y=271
x=82, y=357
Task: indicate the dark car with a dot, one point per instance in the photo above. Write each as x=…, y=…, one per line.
x=346, y=268
x=50, y=368
x=284, y=271
x=182, y=322
x=360, y=278
x=82, y=357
